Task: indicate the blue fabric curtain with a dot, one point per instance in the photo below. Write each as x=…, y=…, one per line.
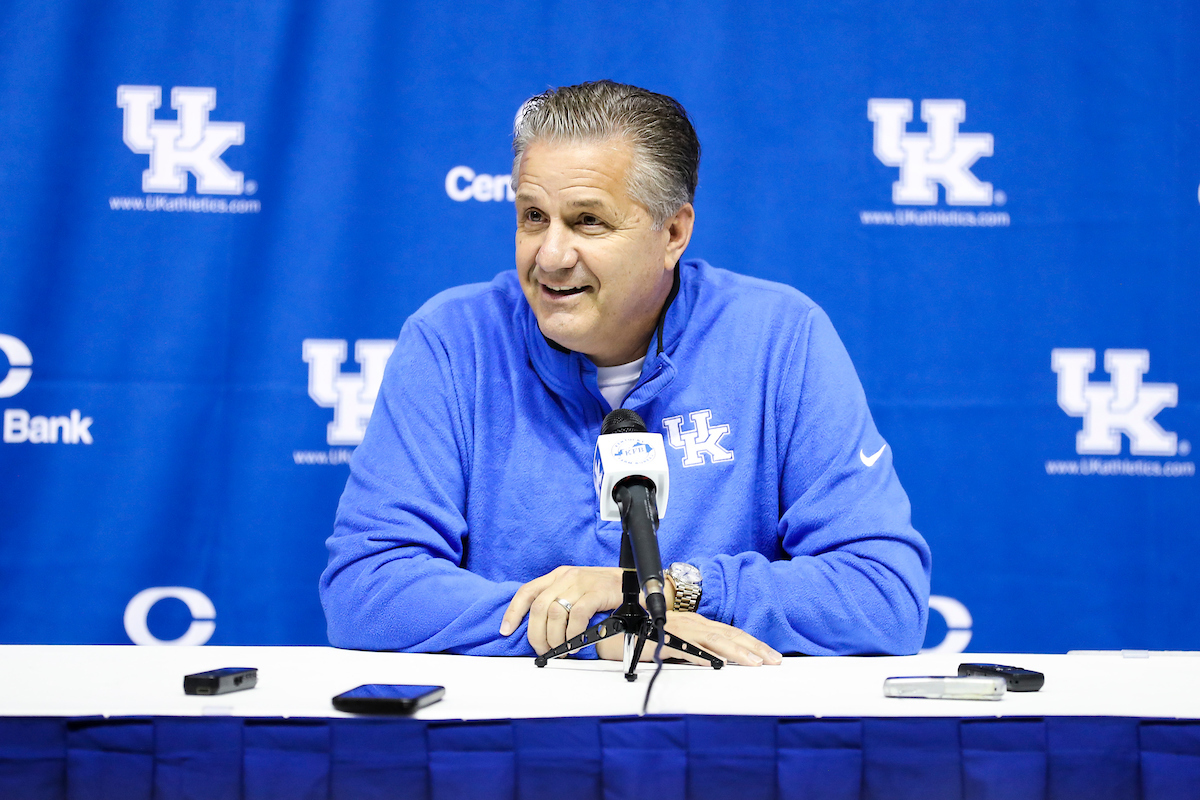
x=701, y=757
x=166, y=426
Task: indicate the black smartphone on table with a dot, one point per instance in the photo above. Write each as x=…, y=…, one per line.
x=1018, y=679
x=387, y=698
x=220, y=681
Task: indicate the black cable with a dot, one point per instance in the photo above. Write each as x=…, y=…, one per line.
x=657, y=669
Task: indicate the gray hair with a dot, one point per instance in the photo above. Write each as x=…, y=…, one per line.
x=666, y=151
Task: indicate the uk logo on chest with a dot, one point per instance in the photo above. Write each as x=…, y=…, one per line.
x=701, y=439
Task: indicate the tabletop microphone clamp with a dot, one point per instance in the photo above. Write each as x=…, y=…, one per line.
x=630, y=618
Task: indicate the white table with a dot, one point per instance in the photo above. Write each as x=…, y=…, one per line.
x=70, y=681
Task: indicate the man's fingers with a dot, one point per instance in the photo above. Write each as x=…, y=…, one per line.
x=720, y=644
x=721, y=640
x=671, y=652
x=598, y=588
x=556, y=623
x=740, y=647
x=695, y=632
x=582, y=612
x=537, y=623
x=769, y=654
x=521, y=602
x=562, y=625
x=754, y=648
x=518, y=607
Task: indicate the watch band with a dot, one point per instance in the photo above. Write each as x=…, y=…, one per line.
x=688, y=586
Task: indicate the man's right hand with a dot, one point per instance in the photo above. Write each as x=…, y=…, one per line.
x=589, y=590
x=724, y=641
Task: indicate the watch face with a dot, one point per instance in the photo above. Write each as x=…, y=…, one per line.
x=685, y=573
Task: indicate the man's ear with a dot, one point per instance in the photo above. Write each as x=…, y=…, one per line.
x=679, y=232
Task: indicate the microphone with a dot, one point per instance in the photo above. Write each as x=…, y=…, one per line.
x=630, y=473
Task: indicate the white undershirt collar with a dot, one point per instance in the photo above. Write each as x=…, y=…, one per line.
x=615, y=382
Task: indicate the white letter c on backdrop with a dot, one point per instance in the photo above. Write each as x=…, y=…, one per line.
x=203, y=615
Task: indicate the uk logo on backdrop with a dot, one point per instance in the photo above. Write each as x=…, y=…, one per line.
x=22, y=427
x=939, y=159
x=351, y=395
x=1123, y=408
x=192, y=145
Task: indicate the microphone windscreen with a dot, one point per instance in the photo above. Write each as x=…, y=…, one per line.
x=622, y=420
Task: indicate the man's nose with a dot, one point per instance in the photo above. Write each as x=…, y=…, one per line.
x=557, y=250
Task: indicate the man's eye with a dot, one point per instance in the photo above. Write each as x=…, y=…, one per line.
x=533, y=215
x=590, y=220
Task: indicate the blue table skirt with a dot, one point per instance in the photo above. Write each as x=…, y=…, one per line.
x=210, y=758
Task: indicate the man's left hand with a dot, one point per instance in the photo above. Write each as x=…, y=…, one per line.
x=728, y=643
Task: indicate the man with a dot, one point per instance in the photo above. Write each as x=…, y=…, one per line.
x=470, y=523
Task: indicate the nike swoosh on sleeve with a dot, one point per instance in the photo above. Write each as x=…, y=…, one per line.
x=870, y=460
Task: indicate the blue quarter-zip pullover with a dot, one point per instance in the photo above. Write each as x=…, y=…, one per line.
x=475, y=476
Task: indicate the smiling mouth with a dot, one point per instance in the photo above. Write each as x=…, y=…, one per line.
x=565, y=291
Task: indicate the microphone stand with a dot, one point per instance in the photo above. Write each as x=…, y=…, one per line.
x=630, y=619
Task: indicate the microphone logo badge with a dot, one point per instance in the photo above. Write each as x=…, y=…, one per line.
x=633, y=450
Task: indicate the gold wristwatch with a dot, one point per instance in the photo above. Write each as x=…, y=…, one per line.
x=687, y=582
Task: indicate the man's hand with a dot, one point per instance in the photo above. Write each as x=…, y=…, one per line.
x=588, y=590
x=724, y=641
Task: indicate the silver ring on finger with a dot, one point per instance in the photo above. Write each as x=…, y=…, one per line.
x=565, y=604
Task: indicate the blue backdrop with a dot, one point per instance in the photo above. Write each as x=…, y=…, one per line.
x=213, y=216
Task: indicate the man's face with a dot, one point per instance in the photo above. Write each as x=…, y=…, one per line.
x=591, y=265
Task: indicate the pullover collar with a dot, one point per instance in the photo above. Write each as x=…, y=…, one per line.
x=572, y=375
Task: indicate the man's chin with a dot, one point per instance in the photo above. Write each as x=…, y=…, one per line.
x=567, y=337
